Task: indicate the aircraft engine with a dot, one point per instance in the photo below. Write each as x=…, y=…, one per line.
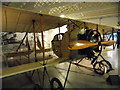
x=61, y=41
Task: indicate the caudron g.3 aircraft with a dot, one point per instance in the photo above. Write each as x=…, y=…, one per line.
x=85, y=43
x=79, y=42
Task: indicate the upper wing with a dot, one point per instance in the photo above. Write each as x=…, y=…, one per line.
x=16, y=20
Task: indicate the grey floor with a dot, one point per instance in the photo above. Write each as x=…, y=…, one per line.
x=79, y=77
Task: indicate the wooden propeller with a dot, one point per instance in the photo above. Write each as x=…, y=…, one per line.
x=82, y=44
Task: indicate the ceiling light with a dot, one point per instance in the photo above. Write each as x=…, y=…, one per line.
x=62, y=16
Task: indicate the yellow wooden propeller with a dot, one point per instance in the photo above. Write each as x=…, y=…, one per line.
x=82, y=44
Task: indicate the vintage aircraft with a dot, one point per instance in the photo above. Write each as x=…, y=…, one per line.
x=76, y=45
x=70, y=46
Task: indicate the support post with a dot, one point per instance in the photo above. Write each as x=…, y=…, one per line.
x=42, y=36
x=60, y=40
x=35, y=49
x=67, y=74
x=33, y=21
x=43, y=50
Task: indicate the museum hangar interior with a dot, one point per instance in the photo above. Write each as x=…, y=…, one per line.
x=59, y=44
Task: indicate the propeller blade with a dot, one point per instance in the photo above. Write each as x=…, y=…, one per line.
x=108, y=42
x=82, y=44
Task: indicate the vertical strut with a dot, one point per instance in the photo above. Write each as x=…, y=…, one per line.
x=34, y=39
x=47, y=73
x=60, y=40
x=43, y=50
x=43, y=77
x=67, y=74
x=35, y=48
x=42, y=36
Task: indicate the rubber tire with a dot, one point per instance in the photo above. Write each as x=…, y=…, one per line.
x=58, y=82
x=109, y=66
x=99, y=63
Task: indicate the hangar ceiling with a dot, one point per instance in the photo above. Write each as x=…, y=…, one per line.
x=104, y=13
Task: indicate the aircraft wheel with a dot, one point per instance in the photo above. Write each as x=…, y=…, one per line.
x=100, y=68
x=56, y=84
x=107, y=64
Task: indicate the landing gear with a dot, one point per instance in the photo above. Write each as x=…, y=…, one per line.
x=56, y=84
x=99, y=68
x=102, y=67
x=107, y=64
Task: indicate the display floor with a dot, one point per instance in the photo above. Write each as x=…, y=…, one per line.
x=79, y=77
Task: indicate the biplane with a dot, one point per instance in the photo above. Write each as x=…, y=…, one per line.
x=82, y=40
